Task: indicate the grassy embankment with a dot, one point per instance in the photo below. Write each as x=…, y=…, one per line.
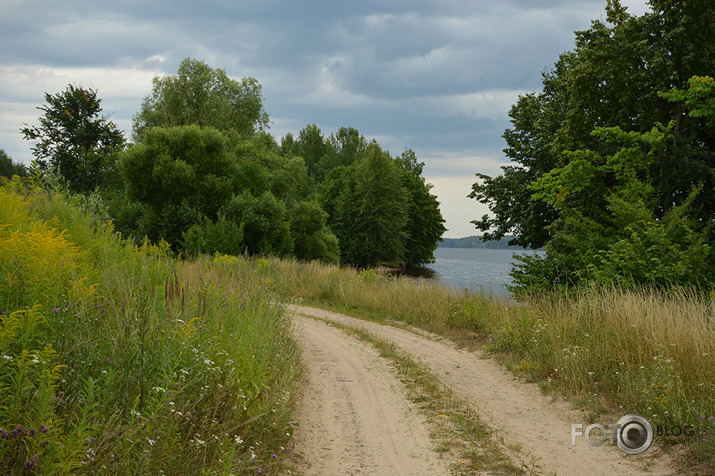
x=118, y=359
x=613, y=351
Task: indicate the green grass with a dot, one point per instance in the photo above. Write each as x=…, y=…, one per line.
x=119, y=359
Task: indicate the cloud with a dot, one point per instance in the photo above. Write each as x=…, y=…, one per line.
x=121, y=90
x=489, y=104
x=435, y=76
x=457, y=209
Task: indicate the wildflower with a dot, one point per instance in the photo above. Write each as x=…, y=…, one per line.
x=57, y=309
x=711, y=418
x=31, y=462
x=3, y=433
x=274, y=455
x=151, y=442
x=238, y=440
x=44, y=429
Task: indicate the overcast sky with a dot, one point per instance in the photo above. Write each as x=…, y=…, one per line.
x=436, y=76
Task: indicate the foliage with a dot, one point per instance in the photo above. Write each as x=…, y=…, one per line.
x=209, y=237
x=311, y=238
x=265, y=223
x=371, y=212
x=425, y=224
x=194, y=373
x=74, y=140
x=613, y=171
x=207, y=97
x=8, y=167
x=360, y=217
x=181, y=174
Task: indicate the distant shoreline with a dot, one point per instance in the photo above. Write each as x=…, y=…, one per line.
x=475, y=242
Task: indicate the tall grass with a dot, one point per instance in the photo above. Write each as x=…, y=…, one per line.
x=118, y=359
x=626, y=351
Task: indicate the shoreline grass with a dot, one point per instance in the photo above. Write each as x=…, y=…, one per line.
x=612, y=350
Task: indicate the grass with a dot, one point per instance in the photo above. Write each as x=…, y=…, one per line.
x=612, y=351
x=119, y=359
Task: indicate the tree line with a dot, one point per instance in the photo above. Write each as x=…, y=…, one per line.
x=476, y=242
x=203, y=174
x=613, y=161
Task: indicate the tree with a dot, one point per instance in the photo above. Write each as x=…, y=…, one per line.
x=8, y=167
x=74, y=140
x=265, y=223
x=207, y=97
x=312, y=240
x=343, y=148
x=618, y=124
x=371, y=212
x=182, y=174
x=425, y=224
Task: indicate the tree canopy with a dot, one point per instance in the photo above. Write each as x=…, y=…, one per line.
x=205, y=175
x=74, y=139
x=9, y=168
x=613, y=159
x=201, y=95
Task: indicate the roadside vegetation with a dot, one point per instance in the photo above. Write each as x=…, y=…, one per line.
x=140, y=283
x=610, y=350
x=116, y=358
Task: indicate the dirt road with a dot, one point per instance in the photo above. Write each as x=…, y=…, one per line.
x=354, y=417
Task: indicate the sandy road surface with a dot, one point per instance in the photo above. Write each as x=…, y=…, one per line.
x=353, y=418
x=340, y=404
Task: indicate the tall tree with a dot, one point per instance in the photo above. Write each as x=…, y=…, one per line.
x=618, y=91
x=74, y=139
x=425, y=224
x=201, y=95
x=371, y=212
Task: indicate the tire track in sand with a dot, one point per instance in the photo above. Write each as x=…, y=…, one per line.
x=353, y=417
x=521, y=413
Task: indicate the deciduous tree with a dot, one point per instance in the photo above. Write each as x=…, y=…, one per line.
x=207, y=97
x=74, y=139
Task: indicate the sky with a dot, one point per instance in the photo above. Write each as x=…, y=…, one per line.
x=435, y=76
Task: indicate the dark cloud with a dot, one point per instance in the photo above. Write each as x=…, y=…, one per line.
x=436, y=76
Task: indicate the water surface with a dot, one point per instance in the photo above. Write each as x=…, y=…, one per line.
x=475, y=269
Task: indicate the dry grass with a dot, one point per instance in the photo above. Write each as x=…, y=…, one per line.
x=621, y=351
